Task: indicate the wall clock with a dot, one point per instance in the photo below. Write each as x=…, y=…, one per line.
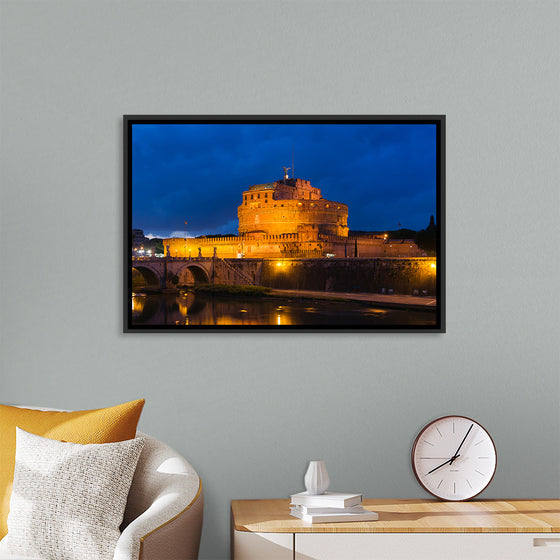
x=454, y=458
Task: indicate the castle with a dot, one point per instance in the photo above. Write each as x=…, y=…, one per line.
x=289, y=218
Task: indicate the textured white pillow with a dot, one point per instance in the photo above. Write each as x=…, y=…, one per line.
x=68, y=499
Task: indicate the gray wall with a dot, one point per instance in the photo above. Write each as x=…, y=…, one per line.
x=249, y=410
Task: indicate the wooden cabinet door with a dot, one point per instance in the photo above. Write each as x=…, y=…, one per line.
x=427, y=546
x=260, y=546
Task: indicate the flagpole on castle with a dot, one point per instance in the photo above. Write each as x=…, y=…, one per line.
x=293, y=170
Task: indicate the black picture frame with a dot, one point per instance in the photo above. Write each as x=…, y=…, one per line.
x=366, y=256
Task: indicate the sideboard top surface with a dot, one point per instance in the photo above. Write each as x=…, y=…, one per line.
x=409, y=516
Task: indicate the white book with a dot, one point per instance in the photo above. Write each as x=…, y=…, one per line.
x=328, y=499
x=311, y=510
x=364, y=515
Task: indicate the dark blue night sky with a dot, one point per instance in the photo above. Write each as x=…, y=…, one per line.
x=385, y=173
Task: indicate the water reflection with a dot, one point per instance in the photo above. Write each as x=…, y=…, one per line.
x=201, y=310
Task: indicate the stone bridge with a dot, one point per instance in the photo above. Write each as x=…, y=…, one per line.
x=385, y=275
x=160, y=272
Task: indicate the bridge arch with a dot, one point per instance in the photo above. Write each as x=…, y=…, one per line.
x=195, y=273
x=150, y=276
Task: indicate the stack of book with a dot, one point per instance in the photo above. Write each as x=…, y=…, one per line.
x=330, y=507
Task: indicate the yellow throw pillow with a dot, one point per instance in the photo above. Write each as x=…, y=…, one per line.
x=103, y=425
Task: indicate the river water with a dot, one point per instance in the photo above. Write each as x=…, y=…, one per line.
x=202, y=310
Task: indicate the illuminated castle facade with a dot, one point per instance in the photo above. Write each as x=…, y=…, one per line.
x=290, y=219
x=291, y=206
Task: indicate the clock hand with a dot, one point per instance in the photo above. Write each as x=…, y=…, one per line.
x=460, y=445
x=439, y=466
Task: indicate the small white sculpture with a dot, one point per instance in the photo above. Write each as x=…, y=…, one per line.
x=316, y=478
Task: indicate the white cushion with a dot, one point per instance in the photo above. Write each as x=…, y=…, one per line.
x=68, y=499
x=3, y=557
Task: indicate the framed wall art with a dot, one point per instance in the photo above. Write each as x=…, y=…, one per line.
x=283, y=223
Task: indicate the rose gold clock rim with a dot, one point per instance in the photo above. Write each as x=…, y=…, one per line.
x=423, y=430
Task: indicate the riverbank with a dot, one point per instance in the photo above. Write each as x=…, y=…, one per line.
x=235, y=290
x=394, y=301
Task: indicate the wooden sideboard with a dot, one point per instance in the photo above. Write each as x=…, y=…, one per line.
x=406, y=529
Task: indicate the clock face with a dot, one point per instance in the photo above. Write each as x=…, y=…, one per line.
x=454, y=458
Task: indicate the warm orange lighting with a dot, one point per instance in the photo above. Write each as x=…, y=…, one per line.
x=433, y=265
x=138, y=304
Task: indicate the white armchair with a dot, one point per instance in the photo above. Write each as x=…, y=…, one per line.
x=163, y=517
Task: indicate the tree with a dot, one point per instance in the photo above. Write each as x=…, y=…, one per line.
x=158, y=246
x=426, y=239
